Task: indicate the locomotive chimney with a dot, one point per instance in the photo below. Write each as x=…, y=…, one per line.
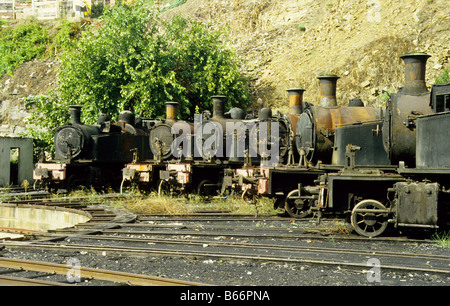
x=415, y=65
x=295, y=100
x=171, y=110
x=75, y=114
x=327, y=85
x=218, y=106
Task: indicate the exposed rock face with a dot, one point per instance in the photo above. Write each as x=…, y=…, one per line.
x=286, y=44
x=30, y=79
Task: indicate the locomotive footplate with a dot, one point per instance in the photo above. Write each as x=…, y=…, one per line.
x=442, y=176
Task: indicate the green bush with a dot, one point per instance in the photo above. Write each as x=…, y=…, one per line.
x=31, y=40
x=443, y=78
x=130, y=63
x=48, y=114
x=21, y=44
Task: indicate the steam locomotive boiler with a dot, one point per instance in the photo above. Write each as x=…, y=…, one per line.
x=411, y=101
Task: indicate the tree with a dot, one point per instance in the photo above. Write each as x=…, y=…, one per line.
x=135, y=62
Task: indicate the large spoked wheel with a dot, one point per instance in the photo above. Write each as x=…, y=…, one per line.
x=295, y=206
x=369, y=218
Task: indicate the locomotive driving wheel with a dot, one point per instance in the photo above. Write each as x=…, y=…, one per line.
x=295, y=206
x=369, y=218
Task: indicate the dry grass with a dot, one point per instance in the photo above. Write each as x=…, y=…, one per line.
x=155, y=204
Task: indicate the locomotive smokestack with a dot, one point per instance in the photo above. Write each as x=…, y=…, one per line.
x=327, y=85
x=295, y=100
x=75, y=114
x=415, y=65
x=171, y=110
x=218, y=106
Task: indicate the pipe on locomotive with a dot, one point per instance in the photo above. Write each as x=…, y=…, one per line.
x=327, y=84
x=171, y=111
x=75, y=114
x=316, y=125
x=218, y=106
x=295, y=100
x=415, y=66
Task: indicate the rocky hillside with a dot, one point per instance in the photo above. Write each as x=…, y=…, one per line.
x=30, y=79
x=288, y=43
x=285, y=44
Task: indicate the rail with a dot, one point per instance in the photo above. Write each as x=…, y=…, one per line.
x=99, y=274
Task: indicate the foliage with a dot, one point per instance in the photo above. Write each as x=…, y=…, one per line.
x=131, y=63
x=203, y=66
x=443, y=78
x=21, y=44
x=67, y=34
x=99, y=72
x=442, y=239
x=31, y=40
x=52, y=114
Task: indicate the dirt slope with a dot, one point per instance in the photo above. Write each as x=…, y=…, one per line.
x=288, y=43
x=32, y=78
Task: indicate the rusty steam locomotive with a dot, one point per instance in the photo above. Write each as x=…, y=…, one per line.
x=379, y=167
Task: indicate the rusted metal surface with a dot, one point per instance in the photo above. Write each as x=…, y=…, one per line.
x=367, y=136
x=295, y=100
x=417, y=204
x=413, y=100
x=162, y=135
x=218, y=106
x=327, y=84
x=316, y=128
x=415, y=66
x=431, y=131
x=171, y=110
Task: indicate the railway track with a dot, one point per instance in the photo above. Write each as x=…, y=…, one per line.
x=233, y=238
x=16, y=265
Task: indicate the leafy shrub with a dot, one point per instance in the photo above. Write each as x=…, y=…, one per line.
x=42, y=123
x=443, y=78
x=130, y=63
x=67, y=34
x=21, y=44
x=33, y=40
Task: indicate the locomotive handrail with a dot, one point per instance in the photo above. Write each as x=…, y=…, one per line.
x=358, y=123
